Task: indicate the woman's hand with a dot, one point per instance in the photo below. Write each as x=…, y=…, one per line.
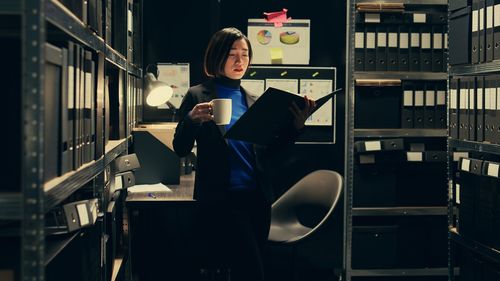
x=300, y=116
x=201, y=112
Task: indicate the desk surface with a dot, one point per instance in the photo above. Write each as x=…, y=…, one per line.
x=180, y=192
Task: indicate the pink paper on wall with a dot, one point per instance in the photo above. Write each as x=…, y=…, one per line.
x=278, y=18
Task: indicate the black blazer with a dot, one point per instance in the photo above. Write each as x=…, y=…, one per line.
x=212, y=151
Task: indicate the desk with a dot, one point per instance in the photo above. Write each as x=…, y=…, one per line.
x=180, y=192
x=162, y=232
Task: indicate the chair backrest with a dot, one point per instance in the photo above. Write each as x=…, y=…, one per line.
x=318, y=188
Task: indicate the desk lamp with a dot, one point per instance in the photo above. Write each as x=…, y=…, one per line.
x=156, y=92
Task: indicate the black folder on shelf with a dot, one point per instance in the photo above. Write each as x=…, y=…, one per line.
x=460, y=37
x=99, y=124
x=87, y=106
x=471, y=108
x=463, y=109
x=64, y=128
x=496, y=36
x=482, y=31
x=407, y=119
x=489, y=29
x=359, y=48
x=403, y=50
x=415, y=48
x=496, y=107
x=418, y=106
x=489, y=108
x=475, y=32
x=441, y=105
x=437, y=48
x=269, y=115
x=381, y=49
x=454, y=109
x=370, y=44
x=392, y=48
x=52, y=97
x=71, y=105
x=480, y=109
x=429, y=105
x=426, y=48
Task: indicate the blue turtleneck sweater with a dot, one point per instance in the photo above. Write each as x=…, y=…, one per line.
x=241, y=156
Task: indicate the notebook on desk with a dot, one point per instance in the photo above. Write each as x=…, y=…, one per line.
x=263, y=121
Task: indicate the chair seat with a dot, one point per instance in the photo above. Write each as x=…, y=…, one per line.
x=287, y=233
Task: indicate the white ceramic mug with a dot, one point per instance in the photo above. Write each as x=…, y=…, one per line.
x=222, y=109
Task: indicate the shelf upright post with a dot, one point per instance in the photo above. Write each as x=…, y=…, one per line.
x=32, y=226
x=349, y=139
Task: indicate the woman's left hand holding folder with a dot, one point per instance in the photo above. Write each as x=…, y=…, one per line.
x=301, y=115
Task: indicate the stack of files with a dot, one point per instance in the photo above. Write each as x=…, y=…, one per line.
x=479, y=200
x=474, y=105
x=408, y=41
x=423, y=104
x=481, y=42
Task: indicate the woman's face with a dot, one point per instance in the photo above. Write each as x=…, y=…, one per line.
x=237, y=60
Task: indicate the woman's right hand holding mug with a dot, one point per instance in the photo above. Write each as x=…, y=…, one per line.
x=202, y=112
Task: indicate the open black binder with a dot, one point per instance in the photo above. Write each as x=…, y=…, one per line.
x=268, y=115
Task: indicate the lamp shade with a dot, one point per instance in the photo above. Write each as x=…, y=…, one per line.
x=156, y=92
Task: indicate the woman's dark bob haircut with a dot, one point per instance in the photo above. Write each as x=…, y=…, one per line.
x=218, y=50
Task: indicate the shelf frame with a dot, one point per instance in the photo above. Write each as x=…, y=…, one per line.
x=33, y=32
x=399, y=211
x=409, y=2
x=399, y=133
x=53, y=248
x=479, y=248
x=400, y=75
x=474, y=69
x=473, y=145
x=438, y=271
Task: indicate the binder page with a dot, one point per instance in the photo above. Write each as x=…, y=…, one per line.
x=288, y=85
x=177, y=77
x=315, y=89
x=254, y=86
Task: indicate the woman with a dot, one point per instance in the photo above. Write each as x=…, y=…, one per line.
x=231, y=187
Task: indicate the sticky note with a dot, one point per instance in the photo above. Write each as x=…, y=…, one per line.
x=276, y=55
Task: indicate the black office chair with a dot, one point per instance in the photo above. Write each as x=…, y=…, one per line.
x=319, y=189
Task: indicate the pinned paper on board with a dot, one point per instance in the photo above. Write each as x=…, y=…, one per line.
x=278, y=18
x=288, y=44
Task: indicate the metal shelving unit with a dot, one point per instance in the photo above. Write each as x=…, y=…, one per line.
x=23, y=213
x=352, y=134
